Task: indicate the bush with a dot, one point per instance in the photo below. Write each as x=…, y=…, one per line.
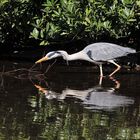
x=86, y=19
x=15, y=19
x=53, y=21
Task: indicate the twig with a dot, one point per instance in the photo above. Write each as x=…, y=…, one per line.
x=50, y=66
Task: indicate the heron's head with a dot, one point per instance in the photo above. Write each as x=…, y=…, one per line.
x=52, y=55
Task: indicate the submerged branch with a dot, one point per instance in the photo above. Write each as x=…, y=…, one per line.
x=27, y=73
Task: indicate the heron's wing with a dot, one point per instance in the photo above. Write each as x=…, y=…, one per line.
x=106, y=51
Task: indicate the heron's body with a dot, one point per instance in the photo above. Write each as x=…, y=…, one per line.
x=97, y=53
x=107, y=51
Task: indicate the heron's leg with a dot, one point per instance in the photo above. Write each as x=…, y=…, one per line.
x=101, y=70
x=118, y=67
x=100, y=80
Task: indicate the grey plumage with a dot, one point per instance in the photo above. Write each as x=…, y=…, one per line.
x=106, y=51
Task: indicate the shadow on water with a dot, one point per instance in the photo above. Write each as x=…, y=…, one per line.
x=67, y=105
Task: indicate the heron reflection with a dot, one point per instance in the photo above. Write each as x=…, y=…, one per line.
x=97, y=97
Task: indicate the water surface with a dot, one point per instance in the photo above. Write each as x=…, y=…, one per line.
x=67, y=104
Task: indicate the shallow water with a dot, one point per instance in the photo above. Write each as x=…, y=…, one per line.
x=67, y=104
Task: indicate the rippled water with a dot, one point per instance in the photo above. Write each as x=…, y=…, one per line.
x=67, y=104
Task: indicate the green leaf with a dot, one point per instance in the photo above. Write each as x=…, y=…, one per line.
x=127, y=1
x=42, y=43
x=2, y=2
x=132, y=20
x=35, y=33
x=56, y=13
x=87, y=20
x=138, y=3
x=47, y=27
x=41, y=34
x=37, y=21
x=88, y=11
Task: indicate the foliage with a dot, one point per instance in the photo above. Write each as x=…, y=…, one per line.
x=90, y=19
x=52, y=21
x=15, y=21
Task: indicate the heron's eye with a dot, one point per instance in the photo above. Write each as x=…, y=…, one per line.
x=50, y=54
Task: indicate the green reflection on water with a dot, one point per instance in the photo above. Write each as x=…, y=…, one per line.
x=67, y=120
x=26, y=114
x=39, y=118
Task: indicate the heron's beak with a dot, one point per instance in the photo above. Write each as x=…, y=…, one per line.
x=42, y=59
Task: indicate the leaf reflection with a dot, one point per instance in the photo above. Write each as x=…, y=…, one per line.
x=64, y=107
x=63, y=118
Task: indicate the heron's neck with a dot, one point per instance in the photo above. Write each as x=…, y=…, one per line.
x=75, y=56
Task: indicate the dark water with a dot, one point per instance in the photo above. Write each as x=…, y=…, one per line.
x=67, y=104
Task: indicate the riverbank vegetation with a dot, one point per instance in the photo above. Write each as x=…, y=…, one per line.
x=23, y=22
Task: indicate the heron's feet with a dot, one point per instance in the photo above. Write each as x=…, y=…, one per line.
x=116, y=81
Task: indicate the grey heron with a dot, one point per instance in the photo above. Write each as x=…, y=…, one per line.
x=98, y=53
